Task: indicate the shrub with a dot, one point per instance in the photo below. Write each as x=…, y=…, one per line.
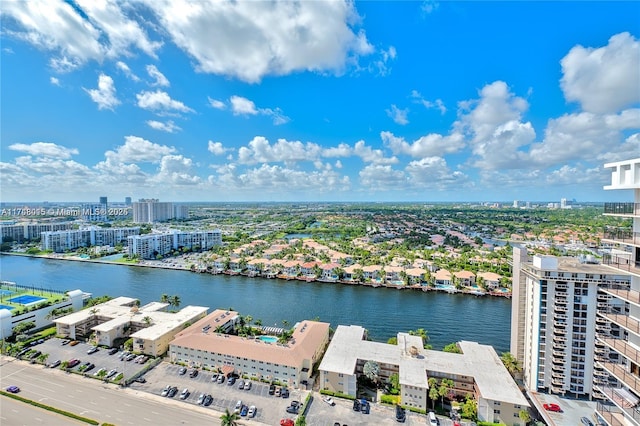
x=390, y=399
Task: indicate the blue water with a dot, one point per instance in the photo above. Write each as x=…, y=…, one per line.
x=26, y=299
x=382, y=311
x=269, y=339
x=6, y=307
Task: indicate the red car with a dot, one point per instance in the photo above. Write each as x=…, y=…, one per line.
x=552, y=407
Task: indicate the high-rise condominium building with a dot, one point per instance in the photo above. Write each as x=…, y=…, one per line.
x=618, y=341
x=152, y=210
x=554, y=321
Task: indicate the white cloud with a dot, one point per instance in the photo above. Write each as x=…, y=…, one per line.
x=160, y=79
x=433, y=173
x=216, y=148
x=429, y=6
x=99, y=31
x=244, y=106
x=127, y=71
x=105, y=94
x=429, y=145
x=261, y=151
x=217, y=104
x=137, y=149
x=176, y=170
x=45, y=149
x=605, y=79
x=160, y=102
x=169, y=126
x=369, y=155
x=378, y=177
x=54, y=81
x=256, y=39
x=437, y=104
x=342, y=150
x=399, y=116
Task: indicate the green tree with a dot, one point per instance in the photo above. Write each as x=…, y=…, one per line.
x=452, y=348
x=443, y=390
x=524, y=416
x=433, y=391
x=229, y=418
x=164, y=298
x=371, y=370
x=23, y=327
x=392, y=340
x=147, y=320
x=511, y=363
x=42, y=358
x=394, y=384
x=422, y=333
x=175, y=301
x=470, y=408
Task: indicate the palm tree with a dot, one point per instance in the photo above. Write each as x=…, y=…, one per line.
x=164, y=298
x=371, y=369
x=147, y=320
x=175, y=301
x=422, y=333
x=94, y=311
x=229, y=419
x=445, y=386
x=42, y=358
x=258, y=322
x=433, y=391
x=511, y=363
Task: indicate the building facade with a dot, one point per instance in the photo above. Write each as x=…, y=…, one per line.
x=618, y=338
x=150, y=246
x=208, y=344
x=477, y=371
x=30, y=231
x=152, y=210
x=61, y=241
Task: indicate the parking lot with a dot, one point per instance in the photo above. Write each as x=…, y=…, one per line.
x=270, y=409
x=101, y=358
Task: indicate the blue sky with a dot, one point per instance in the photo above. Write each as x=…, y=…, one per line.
x=317, y=101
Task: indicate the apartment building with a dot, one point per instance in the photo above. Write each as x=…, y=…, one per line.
x=477, y=371
x=61, y=241
x=618, y=339
x=149, y=246
x=553, y=329
x=22, y=232
x=152, y=210
x=208, y=344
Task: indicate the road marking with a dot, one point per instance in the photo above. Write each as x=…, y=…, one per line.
x=144, y=418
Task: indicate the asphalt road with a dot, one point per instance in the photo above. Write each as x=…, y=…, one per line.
x=17, y=413
x=96, y=400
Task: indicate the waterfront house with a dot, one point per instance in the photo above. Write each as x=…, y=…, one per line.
x=351, y=271
x=372, y=272
x=329, y=272
x=392, y=274
x=307, y=269
x=491, y=279
x=442, y=277
x=465, y=278
x=291, y=268
x=416, y=275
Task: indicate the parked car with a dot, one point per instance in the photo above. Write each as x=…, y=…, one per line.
x=241, y=384
x=111, y=373
x=231, y=381
x=356, y=405
x=364, y=407
x=89, y=366
x=184, y=394
x=73, y=343
x=401, y=414
x=182, y=371
x=73, y=362
x=92, y=350
x=172, y=392
x=201, y=398
x=65, y=342
x=141, y=380
x=113, y=351
x=284, y=393
x=165, y=391
x=35, y=355
x=247, y=385
x=13, y=389
x=586, y=422
x=278, y=391
x=207, y=400
x=220, y=379
x=329, y=400
x=252, y=411
x=293, y=407
x=244, y=411
x=130, y=357
x=272, y=389
x=214, y=377
x=238, y=406
x=55, y=363
x=552, y=407
x=193, y=373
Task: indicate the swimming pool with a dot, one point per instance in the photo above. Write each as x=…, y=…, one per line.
x=268, y=339
x=5, y=292
x=6, y=307
x=26, y=299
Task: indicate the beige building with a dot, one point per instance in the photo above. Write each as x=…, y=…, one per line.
x=207, y=344
x=478, y=371
x=150, y=326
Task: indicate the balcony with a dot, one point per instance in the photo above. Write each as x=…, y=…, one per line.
x=619, y=372
x=560, y=316
x=559, y=331
x=622, y=209
x=558, y=354
x=625, y=321
x=560, y=324
x=559, y=339
x=622, y=235
x=630, y=296
x=624, y=400
x=611, y=414
x=623, y=348
x=559, y=308
x=622, y=262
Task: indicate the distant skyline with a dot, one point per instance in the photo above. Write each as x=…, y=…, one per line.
x=317, y=101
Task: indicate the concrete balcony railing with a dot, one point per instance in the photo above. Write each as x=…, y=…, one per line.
x=626, y=209
x=623, y=263
x=623, y=348
x=625, y=321
x=621, y=235
x=625, y=406
x=611, y=414
x=630, y=296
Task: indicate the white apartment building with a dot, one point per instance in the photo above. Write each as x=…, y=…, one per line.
x=149, y=246
x=29, y=231
x=207, y=344
x=150, y=326
x=477, y=371
x=553, y=321
x=61, y=241
x=618, y=341
x=152, y=210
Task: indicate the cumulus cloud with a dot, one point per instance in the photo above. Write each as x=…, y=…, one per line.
x=127, y=71
x=105, y=94
x=45, y=149
x=244, y=106
x=215, y=103
x=137, y=149
x=256, y=39
x=261, y=151
x=434, y=173
x=399, y=116
x=78, y=33
x=55, y=81
x=157, y=76
x=160, y=102
x=604, y=79
x=432, y=144
x=216, y=148
x=177, y=170
x=379, y=177
x=168, y=126
x=437, y=104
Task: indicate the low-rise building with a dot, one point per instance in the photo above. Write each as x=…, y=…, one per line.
x=150, y=326
x=477, y=371
x=207, y=343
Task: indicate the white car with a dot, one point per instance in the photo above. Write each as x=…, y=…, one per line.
x=238, y=406
x=201, y=399
x=247, y=385
x=252, y=411
x=328, y=400
x=184, y=394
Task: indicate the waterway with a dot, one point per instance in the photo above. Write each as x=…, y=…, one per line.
x=382, y=311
